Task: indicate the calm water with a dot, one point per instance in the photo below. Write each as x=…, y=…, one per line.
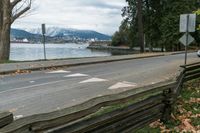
x=27, y=52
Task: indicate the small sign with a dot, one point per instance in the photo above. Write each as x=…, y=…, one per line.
x=183, y=39
x=43, y=29
x=188, y=23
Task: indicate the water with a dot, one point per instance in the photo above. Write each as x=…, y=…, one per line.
x=28, y=52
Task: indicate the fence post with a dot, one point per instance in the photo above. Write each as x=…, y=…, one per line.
x=5, y=118
x=169, y=101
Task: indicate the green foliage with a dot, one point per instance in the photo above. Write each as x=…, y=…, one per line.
x=121, y=37
x=161, y=22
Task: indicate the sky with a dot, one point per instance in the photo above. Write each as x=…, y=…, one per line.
x=100, y=15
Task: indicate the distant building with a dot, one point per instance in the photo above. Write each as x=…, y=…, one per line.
x=24, y=40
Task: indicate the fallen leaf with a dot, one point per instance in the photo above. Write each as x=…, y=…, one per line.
x=188, y=126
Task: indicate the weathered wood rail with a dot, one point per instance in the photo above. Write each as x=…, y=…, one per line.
x=124, y=112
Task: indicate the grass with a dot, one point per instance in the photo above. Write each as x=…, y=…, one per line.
x=186, y=116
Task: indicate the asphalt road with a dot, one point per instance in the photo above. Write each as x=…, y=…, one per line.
x=46, y=91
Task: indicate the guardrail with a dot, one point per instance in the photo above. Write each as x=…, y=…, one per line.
x=124, y=112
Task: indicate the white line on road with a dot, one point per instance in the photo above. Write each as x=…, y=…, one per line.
x=31, y=81
x=58, y=71
x=92, y=80
x=77, y=75
x=123, y=84
x=31, y=86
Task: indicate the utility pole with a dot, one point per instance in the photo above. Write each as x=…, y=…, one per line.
x=140, y=26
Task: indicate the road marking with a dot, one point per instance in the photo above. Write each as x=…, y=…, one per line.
x=58, y=108
x=18, y=117
x=31, y=86
x=77, y=75
x=92, y=80
x=156, y=82
x=123, y=84
x=31, y=81
x=58, y=71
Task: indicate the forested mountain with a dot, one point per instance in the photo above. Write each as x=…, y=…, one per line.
x=58, y=34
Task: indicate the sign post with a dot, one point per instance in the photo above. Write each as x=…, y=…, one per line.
x=44, y=40
x=187, y=25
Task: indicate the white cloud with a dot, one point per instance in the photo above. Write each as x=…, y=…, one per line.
x=100, y=15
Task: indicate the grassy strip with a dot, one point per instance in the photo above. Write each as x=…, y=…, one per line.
x=186, y=117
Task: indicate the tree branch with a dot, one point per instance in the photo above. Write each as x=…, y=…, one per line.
x=17, y=15
x=15, y=2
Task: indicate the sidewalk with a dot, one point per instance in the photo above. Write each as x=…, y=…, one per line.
x=38, y=65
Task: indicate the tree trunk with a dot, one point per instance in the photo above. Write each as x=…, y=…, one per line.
x=140, y=25
x=5, y=43
x=5, y=23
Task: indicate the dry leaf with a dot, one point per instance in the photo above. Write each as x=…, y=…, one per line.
x=188, y=126
x=156, y=124
x=194, y=100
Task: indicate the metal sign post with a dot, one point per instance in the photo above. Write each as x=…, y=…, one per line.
x=187, y=24
x=44, y=40
x=186, y=50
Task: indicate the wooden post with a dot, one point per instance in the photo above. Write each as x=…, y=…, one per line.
x=5, y=118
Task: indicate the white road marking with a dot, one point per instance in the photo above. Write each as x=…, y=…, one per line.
x=156, y=82
x=123, y=84
x=31, y=81
x=31, y=86
x=18, y=117
x=76, y=75
x=92, y=80
x=58, y=71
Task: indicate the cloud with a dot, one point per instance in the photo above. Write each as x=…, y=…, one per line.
x=100, y=15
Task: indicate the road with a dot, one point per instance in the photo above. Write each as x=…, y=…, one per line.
x=46, y=91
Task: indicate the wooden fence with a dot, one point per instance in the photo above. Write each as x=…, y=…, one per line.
x=124, y=112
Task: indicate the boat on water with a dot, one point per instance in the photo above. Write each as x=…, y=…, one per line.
x=24, y=41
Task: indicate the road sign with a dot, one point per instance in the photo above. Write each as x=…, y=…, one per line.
x=184, y=40
x=188, y=23
x=43, y=29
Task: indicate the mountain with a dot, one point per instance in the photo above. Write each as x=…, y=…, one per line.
x=17, y=33
x=68, y=33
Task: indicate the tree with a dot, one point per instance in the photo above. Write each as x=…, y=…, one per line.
x=10, y=10
x=140, y=25
x=160, y=20
x=197, y=33
x=121, y=37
